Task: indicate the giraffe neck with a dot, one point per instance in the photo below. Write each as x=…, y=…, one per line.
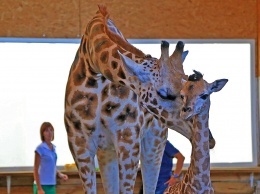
x=199, y=169
x=200, y=146
x=171, y=119
x=197, y=178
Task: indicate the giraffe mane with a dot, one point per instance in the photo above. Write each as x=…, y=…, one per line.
x=116, y=38
x=196, y=76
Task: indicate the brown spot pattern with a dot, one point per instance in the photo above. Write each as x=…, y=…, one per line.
x=197, y=185
x=136, y=149
x=197, y=137
x=115, y=54
x=196, y=169
x=204, y=117
x=126, y=136
x=156, y=143
x=95, y=26
x=104, y=57
x=134, y=97
x=131, y=86
x=179, y=123
x=90, y=128
x=114, y=64
x=121, y=73
x=102, y=44
x=108, y=75
x=130, y=177
x=78, y=96
x=162, y=120
x=130, y=166
x=205, y=179
x=124, y=153
x=104, y=92
x=119, y=90
x=154, y=110
x=141, y=120
x=87, y=109
x=85, y=169
x=91, y=83
x=103, y=122
x=79, y=74
x=170, y=123
x=198, y=155
x=199, y=125
x=165, y=114
x=205, y=165
x=76, y=124
x=205, y=146
x=109, y=108
x=128, y=114
x=154, y=101
x=81, y=151
x=80, y=141
x=207, y=124
x=206, y=134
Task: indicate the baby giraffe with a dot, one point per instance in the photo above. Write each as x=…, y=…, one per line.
x=196, y=103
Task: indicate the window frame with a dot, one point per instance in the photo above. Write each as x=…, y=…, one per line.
x=254, y=84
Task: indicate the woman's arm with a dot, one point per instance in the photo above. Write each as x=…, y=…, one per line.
x=37, y=160
x=179, y=164
x=62, y=176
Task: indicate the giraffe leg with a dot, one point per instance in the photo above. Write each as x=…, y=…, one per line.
x=128, y=151
x=83, y=151
x=152, y=148
x=86, y=167
x=108, y=164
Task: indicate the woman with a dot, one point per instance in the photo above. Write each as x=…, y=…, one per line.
x=45, y=163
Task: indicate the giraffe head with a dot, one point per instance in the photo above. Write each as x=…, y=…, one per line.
x=196, y=94
x=157, y=81
x=171, y=71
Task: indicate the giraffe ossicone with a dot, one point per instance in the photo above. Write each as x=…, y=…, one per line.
x=117, y=115
x=196, y=104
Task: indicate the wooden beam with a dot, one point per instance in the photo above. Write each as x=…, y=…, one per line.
x=224, y=180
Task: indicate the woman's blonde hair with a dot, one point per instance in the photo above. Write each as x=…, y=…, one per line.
x=44, y=126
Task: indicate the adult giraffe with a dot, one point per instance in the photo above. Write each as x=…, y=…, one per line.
x=109, y=119
x=196, y=103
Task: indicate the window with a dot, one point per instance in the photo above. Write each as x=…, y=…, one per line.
x=34, y=72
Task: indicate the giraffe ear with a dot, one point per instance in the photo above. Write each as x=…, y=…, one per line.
x=217, y=85
x=183, y=81
x=134, y=69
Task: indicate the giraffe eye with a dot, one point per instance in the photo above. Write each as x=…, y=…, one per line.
x=182, y=97
x=204, y=96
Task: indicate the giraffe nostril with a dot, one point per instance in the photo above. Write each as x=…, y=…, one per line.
x=186, y=109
